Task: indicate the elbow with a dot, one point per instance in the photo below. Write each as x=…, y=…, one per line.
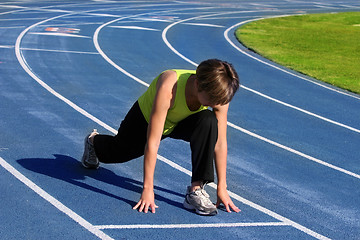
x=221, y=146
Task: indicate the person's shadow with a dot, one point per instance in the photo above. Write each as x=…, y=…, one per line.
x=70, y=170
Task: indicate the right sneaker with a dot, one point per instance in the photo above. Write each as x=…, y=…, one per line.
x=199, y=201
x=89, y=159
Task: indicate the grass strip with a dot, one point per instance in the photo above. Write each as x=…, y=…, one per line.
x=323, y=46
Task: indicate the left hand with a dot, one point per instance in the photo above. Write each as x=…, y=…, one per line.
x=224, y=198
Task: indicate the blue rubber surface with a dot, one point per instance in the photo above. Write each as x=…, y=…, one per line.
x=67, y=67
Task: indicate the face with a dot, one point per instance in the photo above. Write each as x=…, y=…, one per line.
x=204, y=100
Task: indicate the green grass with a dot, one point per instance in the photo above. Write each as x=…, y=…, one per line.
x=323, y=46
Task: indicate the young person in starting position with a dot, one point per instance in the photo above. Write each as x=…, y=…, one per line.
x=176, y=106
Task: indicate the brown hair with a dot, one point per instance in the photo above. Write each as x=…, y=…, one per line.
x=218, y=79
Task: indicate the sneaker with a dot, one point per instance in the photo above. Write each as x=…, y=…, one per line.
x=199, y=201
x=89, y=159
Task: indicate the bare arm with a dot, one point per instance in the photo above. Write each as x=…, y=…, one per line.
x=161, y=105
x=221, y=159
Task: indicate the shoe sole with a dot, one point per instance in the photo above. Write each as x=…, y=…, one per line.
x=191, y=207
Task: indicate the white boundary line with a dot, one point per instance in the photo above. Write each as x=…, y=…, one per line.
x=249, y=132
x=226, y=35
x=202, y=225
x=56, y=203
x=58, y=51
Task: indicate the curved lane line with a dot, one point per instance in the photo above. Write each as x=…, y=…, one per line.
x=326, y=164
x=303, y=110
x=101, y=52
x=251, y=133
x=22, y=178
x=247, y=88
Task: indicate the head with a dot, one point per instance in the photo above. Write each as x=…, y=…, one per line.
x=218, y=80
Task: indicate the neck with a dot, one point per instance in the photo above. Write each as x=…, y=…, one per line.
x=191, y=94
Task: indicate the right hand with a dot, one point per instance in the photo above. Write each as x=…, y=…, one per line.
x=146, y=201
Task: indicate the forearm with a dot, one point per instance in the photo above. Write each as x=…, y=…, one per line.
x=220, y=164
x=150, y=157
x=223, y=196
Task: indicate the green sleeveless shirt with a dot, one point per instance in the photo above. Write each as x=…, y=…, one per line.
x=176, y=113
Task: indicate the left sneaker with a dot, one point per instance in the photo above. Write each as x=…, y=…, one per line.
x=199, y=201
x=89, y=159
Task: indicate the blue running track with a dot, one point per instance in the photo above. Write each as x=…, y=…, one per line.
x=69, y=66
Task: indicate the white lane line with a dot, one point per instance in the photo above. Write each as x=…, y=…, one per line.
x=226, y=35
x=251, y=133
x=202, y=225
x=295, y=151
x=98, y=48
x=135, y=28
x=302, y=110
x=185, y=20
x=227, y=17
x=83, y=112
x=150, y=19
x=41, y=10
x=325, y=6
x=349, y=6
x=73, y=24
x=6, y=46
x=20, y=19
x=25, y=66
x=58, y=51
x=103, y=15
x=262, y=5
x=204, y=25
x=11, y=6
x=12, y=27
x=58, y=34
x=22, y=9
x=100, y=51
x=56, y=203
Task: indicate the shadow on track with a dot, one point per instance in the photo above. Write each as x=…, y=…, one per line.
x=70, y=170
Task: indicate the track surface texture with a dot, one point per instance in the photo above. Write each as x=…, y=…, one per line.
x=69, y=66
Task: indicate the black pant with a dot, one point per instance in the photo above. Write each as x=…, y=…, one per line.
x=199, y=129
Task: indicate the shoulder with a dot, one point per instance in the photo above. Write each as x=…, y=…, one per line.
x=168, y=77
x=166, y=85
